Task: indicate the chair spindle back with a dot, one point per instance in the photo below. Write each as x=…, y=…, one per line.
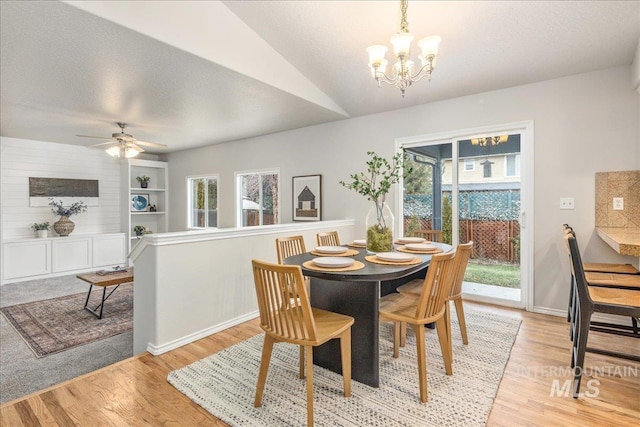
x=278, y=316
x=437, y=286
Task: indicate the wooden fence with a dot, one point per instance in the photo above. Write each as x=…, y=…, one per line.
x=494, y=240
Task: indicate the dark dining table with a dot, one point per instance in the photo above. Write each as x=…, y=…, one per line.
x=357, y=293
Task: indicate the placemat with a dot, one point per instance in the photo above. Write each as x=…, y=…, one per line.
x=374, y=259
x=348, y=252
x=353, y=245
x=357, y=265
x=427, y=252
x=398, y=242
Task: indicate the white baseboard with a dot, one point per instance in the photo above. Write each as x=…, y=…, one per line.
x=492, y=300
x=597, y=317
x=188, y=339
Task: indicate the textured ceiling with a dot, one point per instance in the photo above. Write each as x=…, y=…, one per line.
x=188, y=74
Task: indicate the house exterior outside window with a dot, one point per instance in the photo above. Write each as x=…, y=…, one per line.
x=469, y=165
x=486, y=168
x=258, y=198
x=512, y=165
x=202, y=194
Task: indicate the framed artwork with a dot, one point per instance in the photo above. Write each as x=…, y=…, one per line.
x=139, y=203
x=307, y=198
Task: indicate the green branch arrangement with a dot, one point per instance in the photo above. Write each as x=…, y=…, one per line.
x=375, y=185
x=59, y=209
x=381, y=175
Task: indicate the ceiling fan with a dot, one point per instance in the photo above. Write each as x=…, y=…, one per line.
x=122, y=144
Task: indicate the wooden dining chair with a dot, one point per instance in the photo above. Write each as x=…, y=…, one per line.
x=599, y=279
x=417, y=312
x=590, y=300
x=461, y=259
x=599, y=267
x=298, y=324
x=432, y=235
x=289, y=246
x=329, y=238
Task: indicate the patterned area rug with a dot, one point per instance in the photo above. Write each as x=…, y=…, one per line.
x=57, y=324
x=224, y=383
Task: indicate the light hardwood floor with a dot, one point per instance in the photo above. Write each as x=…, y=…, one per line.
x=135, y=392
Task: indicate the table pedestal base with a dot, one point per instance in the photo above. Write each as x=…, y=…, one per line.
x=360, y=301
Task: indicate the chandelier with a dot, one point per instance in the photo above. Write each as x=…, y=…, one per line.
x=403, y=70
x=490, y=140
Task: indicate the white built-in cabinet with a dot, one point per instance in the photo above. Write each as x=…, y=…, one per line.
x=29, y=259
x=156, y=221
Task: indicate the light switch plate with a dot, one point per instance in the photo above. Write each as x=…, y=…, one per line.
x=618, y=203
x=566, y=203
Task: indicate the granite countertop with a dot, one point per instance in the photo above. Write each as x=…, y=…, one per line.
x=625, y=240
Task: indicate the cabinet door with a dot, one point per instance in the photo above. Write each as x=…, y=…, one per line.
x=26, y=259
x=71, y=254
x=109, y=250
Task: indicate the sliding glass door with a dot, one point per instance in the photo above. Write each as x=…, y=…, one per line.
x=470, y=189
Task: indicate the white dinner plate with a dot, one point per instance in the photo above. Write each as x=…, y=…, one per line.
x=411, y=240
x=331, y=249
x=419, y=247
x=395, y=256
x=333, y=262
x=361, y=242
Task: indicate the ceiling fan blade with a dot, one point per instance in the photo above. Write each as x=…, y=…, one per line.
x=150, y=144
x=98, y=137
x=103, y=144
x=132, y=145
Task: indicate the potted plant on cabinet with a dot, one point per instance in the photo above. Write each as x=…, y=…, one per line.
x=375, y=186
x=64, y=226
x=143, y=180
x=41, y=229
x=139, y=230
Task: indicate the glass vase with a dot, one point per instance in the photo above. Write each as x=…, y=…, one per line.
x=379, y=224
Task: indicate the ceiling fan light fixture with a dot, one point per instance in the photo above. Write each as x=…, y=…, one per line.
x=113, y=151
x=122, y=151
x=130, y=152
x=122, y=144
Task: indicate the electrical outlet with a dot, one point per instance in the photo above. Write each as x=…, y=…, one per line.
x=618, y=203
x=566, y=203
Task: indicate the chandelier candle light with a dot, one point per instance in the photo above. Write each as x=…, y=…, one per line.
x=403, y=76
x=490, y=140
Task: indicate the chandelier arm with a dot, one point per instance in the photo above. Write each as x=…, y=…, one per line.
x=383, y=78
x=423, y=72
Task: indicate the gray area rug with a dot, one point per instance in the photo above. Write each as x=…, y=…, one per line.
x=53, y=325
x=224, y=383
x=21, y=373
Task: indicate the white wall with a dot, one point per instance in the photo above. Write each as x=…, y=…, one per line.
x=190, y=285
x=583, y=124
x=22, y=159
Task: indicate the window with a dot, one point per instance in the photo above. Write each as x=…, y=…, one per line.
x=202, y=193
x=258, y=197
x=469, y=165
x=512, y=167
x=486, y=168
